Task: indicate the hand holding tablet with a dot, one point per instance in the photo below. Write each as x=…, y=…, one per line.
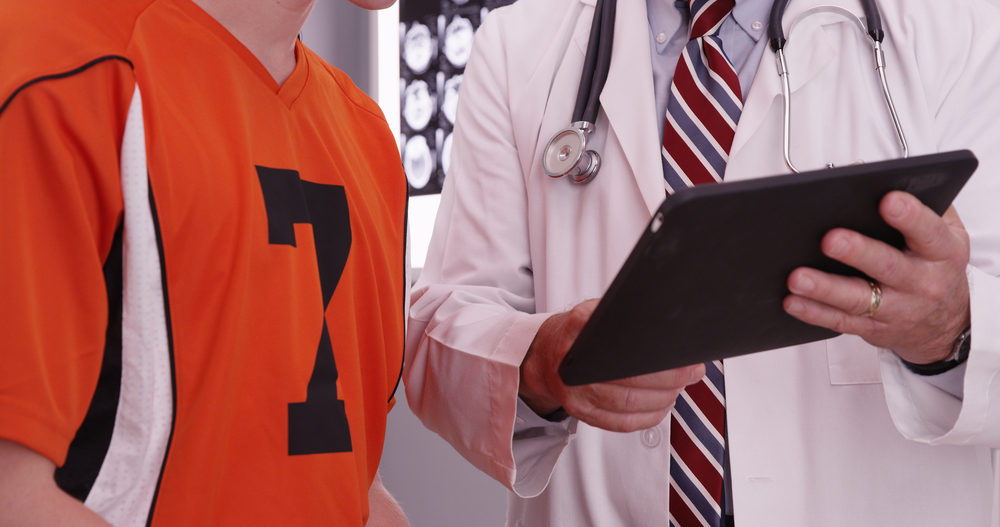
x=708, y=278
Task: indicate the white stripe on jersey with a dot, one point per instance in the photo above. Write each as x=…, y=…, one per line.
x=126, y=483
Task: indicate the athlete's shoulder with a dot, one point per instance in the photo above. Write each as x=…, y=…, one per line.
x=54, y=37
x=353, y=95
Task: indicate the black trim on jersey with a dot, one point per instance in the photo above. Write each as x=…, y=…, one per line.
x=170, y=349
x=64, y=74
x=406, y=287
x=93, y=438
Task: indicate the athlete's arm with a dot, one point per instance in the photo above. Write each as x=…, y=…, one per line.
x=384, y=511
x=60, y=135
x=29, y=495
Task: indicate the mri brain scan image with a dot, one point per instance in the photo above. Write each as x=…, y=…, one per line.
x=449, y=102
x=435, y=43
x=418, y=105
x=418, y=161
x=418, y=48
x=458, y=41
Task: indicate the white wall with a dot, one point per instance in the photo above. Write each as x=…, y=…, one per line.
x=435, y=486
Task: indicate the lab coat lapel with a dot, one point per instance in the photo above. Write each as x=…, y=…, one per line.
x=811, y=50
x=628, y=100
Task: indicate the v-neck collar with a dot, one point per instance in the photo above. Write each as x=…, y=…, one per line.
x=289, y=90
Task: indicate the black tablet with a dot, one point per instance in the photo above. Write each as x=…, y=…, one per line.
x=707, y=278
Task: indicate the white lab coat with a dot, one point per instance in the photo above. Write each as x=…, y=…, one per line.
x=830, y=433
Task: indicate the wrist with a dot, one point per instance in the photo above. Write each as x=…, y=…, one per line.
x=541, y=405
x=532, y=390
x=957, y=354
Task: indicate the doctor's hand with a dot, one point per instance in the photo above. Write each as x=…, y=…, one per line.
x=925, y=293
x=624, y=405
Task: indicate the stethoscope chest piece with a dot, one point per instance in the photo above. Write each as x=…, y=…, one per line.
x=567, y=154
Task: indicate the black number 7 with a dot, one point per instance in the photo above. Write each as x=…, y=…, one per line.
x=319, y=424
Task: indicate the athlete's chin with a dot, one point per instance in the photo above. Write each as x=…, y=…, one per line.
x=373, y=4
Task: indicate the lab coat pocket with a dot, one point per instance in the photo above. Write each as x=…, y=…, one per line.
x=852, y=361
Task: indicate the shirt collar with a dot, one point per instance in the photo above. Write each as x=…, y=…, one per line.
x=752, y=15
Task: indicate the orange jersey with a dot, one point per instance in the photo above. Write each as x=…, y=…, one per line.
x=202, y=272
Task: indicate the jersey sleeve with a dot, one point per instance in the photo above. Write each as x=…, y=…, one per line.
x=60, y=207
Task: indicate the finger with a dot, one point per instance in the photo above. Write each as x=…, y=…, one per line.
x=676, y=378
x=851, y=295
x=818, y=314
x=876, y=259
x=616, y=422
x=951, y=217
x=956, y=226
x=587, y=306
x=578, y=316
x=927, y=234
x=627, y=399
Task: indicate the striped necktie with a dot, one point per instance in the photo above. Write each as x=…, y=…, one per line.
x=703, y=108
x=704, y=104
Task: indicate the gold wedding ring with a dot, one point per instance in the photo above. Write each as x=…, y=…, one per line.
x=876, y=300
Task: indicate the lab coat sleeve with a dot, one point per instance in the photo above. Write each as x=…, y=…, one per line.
x=961, y=87
x=472, y=314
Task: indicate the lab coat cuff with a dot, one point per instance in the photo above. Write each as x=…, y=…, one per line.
x=535, y=442
x=522, y=470
x=527, y=418
x=924, y=412
x=536, y=447
x=951, y=381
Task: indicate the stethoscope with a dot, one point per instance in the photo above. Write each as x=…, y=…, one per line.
x=566, y=153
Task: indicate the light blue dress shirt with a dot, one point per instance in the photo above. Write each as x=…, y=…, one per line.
x=743, y=36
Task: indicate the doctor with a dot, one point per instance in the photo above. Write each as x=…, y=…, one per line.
x=838, y=432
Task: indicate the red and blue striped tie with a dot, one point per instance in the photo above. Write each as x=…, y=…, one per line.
x=704, y=104
x=703, y=108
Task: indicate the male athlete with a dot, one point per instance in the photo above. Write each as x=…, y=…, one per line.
x=202, y=238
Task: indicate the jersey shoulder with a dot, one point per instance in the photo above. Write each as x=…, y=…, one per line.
x=352, y=95
x=45, y=38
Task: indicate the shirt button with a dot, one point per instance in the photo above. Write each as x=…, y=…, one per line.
x=756, y=26
x=651, y=437
x=661, y=38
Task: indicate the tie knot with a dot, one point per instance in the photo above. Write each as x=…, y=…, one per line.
x=707, y=15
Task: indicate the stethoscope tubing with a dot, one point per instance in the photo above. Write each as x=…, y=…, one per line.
x=873, y=28
x=776, y=33
x=597, y=63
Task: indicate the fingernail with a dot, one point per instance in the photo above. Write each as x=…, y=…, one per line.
x=838, y=247
x=803, y=284
x=795, y=307
x=896, y=208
